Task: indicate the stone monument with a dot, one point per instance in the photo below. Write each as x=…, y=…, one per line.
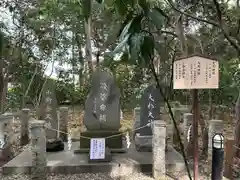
x=48, y=112
x=150, y=111
x=102, y=113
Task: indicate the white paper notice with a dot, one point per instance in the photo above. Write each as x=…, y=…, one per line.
x=195, y=73
x=97, y=148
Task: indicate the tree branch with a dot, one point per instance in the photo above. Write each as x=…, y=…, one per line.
x=218, y=9
x=189, y=15
x=220, y=26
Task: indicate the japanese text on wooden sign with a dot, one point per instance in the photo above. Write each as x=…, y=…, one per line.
x=97, y=148
x=195, y=73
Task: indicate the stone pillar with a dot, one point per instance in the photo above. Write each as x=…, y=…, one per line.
x=6, y=151
x=38, y=148
x=215, y=126
x=24, y=117
x=159, y=145
x=63, y=123
x=137, y=114
x=187, y=126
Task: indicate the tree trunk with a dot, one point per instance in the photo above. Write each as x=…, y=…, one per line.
x=237, y=129
x=88, y=52
x=1, y=85
x=80, y=60
x=4, y=94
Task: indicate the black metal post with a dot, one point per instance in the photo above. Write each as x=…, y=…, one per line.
x=217, y=156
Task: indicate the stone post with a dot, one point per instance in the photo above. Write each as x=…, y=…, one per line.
x=24, y=117
x=137, y=114
x=187, y=125
x=38, y=148
x=5, y=144
x=159, y=145
x=215, y=126
x=63, y=123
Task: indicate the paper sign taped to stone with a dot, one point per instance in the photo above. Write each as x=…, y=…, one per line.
x=195, y=73
x=97, y=148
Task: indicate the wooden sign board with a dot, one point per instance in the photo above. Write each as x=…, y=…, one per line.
x=195, y=72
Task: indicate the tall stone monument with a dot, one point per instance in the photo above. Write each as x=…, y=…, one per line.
x=102, y=107
x=150, y=111
x=102, y=112
x=48, y=112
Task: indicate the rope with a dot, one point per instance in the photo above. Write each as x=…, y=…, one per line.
x=235, y=146
x=108, y=137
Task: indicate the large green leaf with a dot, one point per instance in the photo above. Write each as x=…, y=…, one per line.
x=136, y=25
x=135, y=43
x=156, y=17
x=121, y=6
x=147, y=48
x=144, y=5
x=121, y=45
x=133, y=26
x=87, y=8
x=125, y=30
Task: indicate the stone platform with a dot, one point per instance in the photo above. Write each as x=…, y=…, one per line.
x=66, y=162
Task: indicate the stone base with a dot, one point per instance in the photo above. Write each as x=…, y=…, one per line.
x=112, y=143
x=54, y=145
x=143, y=143
x=5, y=154
x=66, y=162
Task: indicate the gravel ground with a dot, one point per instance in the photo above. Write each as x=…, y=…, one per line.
x=98, y=176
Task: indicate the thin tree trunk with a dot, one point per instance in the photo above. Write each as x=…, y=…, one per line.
x=237, y=129
x=1, y=84
x=88, y=52
x=80, y=60
x=4, y=94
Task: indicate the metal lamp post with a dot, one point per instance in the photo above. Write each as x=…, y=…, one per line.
x=217, y=156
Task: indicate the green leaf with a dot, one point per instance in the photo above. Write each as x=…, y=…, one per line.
x=87, y=8
x=144, y=5
x=136, y=24
x=121, y=7
x=125, y=30
x=156, y=17
x=121, y=45
x=133, y=26
x=135, y=43
x=147, y=48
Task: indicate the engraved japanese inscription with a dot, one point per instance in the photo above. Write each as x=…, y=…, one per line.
x=150, y=108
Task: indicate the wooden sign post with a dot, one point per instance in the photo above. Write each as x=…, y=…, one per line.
x=195, y=72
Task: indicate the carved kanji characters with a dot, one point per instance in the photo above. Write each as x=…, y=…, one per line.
x=103, y=85
x=48, y=108
x=48, y=116
x=48, y=100
x=150, y=106
x=103, y=96
x=150, y=114
x=150, y=97
x=102, y=118
x=102, y=107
